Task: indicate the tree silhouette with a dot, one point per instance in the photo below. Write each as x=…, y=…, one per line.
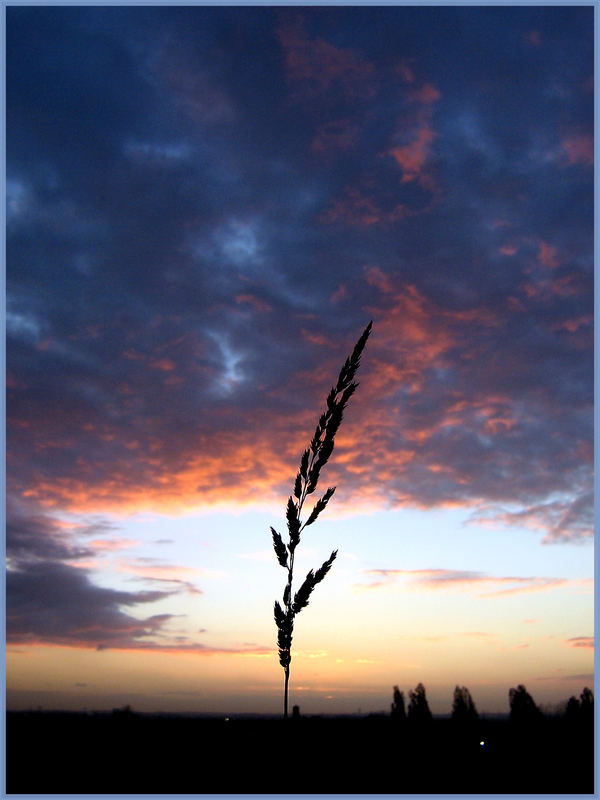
x=312, y=461
x=523, y=710
x=464, y=712
x=418, y=707
x=586, y=707
x=572, y=710
x=398, y=710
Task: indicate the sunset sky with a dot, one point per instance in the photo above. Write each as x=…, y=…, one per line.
x=205, y=207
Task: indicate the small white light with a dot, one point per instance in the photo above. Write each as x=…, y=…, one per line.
x=482, y=743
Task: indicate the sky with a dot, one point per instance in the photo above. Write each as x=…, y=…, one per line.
x=205, y=208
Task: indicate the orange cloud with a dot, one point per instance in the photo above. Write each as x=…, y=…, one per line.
x=253, y=464
x=419, y=331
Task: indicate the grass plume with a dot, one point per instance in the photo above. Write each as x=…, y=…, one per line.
x=312, y=462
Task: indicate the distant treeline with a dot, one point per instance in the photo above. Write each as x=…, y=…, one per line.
x=523, y=708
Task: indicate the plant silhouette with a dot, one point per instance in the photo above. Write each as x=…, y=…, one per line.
x=313, y=460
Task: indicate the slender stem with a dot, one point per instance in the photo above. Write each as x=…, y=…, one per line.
x=303, y=495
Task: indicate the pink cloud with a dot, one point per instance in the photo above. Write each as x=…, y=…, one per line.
x=315, y=338
x=547, y=255
x=356, y=208
x=317, y=66
x=376, y=277
x=426, y=95
x=579, y=149
x=413, y=156
x=163, y=364
x=581, y=641
x=107, y=545
x=466, y=580
x=340, y=293
x=404, y=70
x=252, y=300
x=574, y=324
x=417, y=135
x=335, y=135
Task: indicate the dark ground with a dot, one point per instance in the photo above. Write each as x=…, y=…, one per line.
x=52, y=753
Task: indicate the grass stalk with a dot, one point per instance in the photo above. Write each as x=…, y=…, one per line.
x=312, y=461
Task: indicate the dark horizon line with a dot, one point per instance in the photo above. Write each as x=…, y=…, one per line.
x=221, y=715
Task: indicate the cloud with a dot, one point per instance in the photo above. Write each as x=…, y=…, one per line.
x=52, y=602
x=581, y=641
x=338, y=134
x=561, y=520
x=547, y=255
x=153, y=570
x=33, y=535
x=315, y=66
x=153, y=252
x=413, y=156
x=579, y=149
x=380, y=197
x=109, y=545
x=466, y=580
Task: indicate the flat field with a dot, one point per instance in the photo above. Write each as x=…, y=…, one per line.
x=60, y=753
